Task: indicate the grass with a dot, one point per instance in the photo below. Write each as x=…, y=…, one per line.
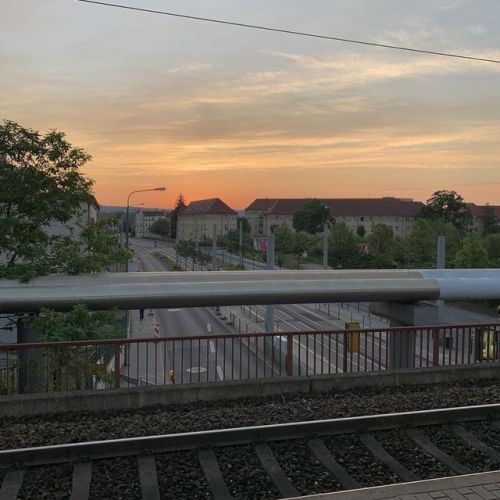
x=230, y=267
x=167, y=260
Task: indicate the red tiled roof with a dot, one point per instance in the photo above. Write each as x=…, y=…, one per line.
x=478, y=210
x=211, y=206
x=352, y=206
x=261, y=204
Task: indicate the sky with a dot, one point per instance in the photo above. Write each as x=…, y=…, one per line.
x=211, y=110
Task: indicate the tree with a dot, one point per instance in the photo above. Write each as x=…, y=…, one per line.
x=343, y=247
x=302, y=242
x=381, y=240
x=448, y=207
x=492, y=245
x=180, y=204
x=381, y=247
x=472, y=254
x=491, y=223
x=284, y=238
x=41, y=185
x=246, y=228
x=311, y=218
x=161, y=227
x=421, y=245
x=78, y=324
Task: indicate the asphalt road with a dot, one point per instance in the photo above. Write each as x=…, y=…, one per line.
x=194, y=360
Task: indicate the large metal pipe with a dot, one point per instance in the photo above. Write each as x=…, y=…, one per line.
x=26, y=298
x=162, y=290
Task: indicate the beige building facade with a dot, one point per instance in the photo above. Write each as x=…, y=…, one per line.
x=359, y=214
x=144, y=219
x=197, y=221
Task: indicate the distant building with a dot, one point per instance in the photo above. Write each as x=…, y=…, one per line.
x=478, y=215
x=196, y=222
x=88, y=213
x=359, y=214
x=144, y=219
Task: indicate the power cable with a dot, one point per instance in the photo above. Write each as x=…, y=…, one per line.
x=291, y=32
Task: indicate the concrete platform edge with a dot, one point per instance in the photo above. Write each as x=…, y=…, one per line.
x=392, y=491
x=138, y=397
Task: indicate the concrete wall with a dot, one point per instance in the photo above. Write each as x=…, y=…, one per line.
x=126, y=399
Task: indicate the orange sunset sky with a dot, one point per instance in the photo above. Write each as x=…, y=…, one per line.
x=211, y=110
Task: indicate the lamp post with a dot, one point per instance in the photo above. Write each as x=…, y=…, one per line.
x=162, y=188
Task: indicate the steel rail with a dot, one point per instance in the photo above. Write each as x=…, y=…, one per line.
x=243, y=435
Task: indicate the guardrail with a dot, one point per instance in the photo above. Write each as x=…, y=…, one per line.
x=99, y=364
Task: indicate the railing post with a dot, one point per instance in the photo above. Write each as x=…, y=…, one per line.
x=117, y=366
x=289, y=355
x=435, y=347
x=345, y=346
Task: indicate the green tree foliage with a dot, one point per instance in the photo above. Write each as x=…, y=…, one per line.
x=78, y=324
x=302, y=242
x=161, y=227
x=41, y=185
x=284, y=239
x=448, y=207
x=311, y=218
x=381, y=247
x=246, y=228
x=343, y=247
x=472, y=254
x=180, y=204
x=491, y=224
x=186, y=249
x=492, y=245
x=421, y=245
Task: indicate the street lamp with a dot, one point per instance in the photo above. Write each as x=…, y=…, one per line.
x=128, y=208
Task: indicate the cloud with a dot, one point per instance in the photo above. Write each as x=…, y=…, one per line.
x=188, y=68
x=476, y=29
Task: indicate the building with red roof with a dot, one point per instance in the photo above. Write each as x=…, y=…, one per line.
x=197, y=221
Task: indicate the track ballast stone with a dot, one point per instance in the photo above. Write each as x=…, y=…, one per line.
x=77, y=427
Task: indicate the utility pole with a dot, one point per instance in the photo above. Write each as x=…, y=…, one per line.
x=441, y=255
x=325, y=246
x=240, y=227
x=270, y=267
x=214, y=249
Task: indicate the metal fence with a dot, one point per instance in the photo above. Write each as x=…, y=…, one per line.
x=84, y=365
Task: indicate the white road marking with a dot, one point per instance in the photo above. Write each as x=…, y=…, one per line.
x=219, y=372
x=212, y=346
x=173, y=310
x=209, y=328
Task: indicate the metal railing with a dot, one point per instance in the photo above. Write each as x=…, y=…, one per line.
x=100, y=364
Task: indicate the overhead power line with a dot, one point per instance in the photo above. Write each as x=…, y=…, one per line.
x=290, y=32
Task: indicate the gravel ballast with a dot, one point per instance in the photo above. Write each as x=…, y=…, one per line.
x=78, y=427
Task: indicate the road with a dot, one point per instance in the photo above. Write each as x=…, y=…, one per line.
x=192, y=360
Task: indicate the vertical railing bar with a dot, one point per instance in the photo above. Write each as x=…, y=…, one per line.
x=329, y=352
x=147, y=363
x=199, y=360
x=156, y=363
x=190, y=362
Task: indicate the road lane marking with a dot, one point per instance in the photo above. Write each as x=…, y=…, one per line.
x=209, y=328
x=219, y=372
x=173, y=310
x=212, y=346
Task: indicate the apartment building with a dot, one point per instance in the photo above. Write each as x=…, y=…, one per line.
x=360, y=214
x=196, y=222
x=144, y=219
x=87, y=213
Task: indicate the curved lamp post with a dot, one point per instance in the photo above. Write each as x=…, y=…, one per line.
x=162, y=188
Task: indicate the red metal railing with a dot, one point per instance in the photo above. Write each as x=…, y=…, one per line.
x=56, y=366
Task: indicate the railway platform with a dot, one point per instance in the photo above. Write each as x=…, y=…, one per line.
x=483, y=486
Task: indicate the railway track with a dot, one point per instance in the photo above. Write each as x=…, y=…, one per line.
x=271, y=461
